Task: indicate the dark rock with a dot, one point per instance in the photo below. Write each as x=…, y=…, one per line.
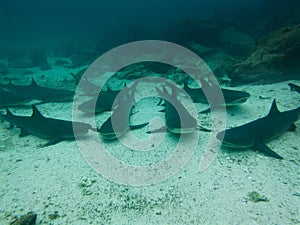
x=133, y=71
x=85, y=54
x=159, y=68
x=27, y=72
x=64, y=50
x=19, y=60
x=61, y=62
x=275, y=59
x=3, y=69
x=54, y=215
x=142, y=69
x=45, y=67
x=201, y=31
x=39, y=58
x=82, y=59
x=219, y=60
x=197, y=48
x=28, y=60
x=221, y=63
x=77, y=76
x=28, y=219
x=287, y=15
x=236, y=42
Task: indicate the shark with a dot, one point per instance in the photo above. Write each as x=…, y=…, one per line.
x=87, y=86
x=254, y=134
x=104, y=102
x=118, y=123
x=9, y=99
x=177, y=117
x=37, y=92
x=54, y=130
x=231, y=97
x=294, y=87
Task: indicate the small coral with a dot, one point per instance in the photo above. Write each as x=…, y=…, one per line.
x=254, y=196
x=87, y=182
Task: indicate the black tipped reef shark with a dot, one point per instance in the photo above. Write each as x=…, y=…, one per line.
x=256, y=133
x=178, y=118
x=8, y=99
x=55, y=130
x=37, y=92
x=119, y=121
x=104, y=102
x=231, y=97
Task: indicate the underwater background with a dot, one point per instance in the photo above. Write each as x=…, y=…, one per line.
x=252, y=49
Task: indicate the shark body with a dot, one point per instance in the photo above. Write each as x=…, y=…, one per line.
x=55, y=130
x=256, y=133
x=178, y=118
x=8, y=98
x=231, y=97
x=88, y=87
x=118, y=123
x=104, y=102
x=44, y=94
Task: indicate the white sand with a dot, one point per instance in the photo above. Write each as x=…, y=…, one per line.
x=57, y=178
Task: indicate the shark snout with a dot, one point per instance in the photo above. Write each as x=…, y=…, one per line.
x=220, y=135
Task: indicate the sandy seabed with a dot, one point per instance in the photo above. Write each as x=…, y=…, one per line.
x=57, y=183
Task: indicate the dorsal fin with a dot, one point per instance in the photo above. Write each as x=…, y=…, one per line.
x=8, y=112
x=185, y=86
x=33, y=83
x=274, y=109
x=160, y=93
x=73, y=75
x=10, y=84
x=164, y=92
x=108, y=88
x=204, y=83
x=174, y=92
x=36, y=112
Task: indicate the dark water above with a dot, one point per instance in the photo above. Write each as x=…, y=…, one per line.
x=38, y=22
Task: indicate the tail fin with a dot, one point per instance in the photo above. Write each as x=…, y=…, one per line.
x=185, y=86
x=294, y=87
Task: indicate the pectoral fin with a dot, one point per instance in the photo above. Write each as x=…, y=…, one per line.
x=210, y=109
x=265, y=149
x=292, y=127
x=205, y=111
x=203, y=129
x=53, y=141
x=159, y=130
x=23, y=133
x=161, y=102
x=138, y=126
